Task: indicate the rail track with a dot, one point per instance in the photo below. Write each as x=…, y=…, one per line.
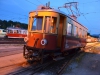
x=11, y=41
x=31, y=70
x=69, y=60
x=36, y=68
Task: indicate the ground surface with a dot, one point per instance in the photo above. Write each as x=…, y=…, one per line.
x=86, y=64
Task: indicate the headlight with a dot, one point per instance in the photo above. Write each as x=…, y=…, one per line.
x=26, y=39
x=43, y=42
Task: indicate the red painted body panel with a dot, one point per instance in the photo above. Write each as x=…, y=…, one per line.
x=70, y=42
x=51, y=41
x=15, y=35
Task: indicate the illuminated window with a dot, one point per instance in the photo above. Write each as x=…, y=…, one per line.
x=69, y=29
x=19, y=31
x=10, y=31
x=75, y=31
x=24, y=32
x=50, y=24
x=15, y=31
x=37, y=23
x=83, y=34
x=80, y=32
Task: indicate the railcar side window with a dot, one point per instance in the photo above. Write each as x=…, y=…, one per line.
x=24, y=32
x=10, y=31
x=83, y=34
x=75, y=31
x=15, y=31
x=80, y=32
x=37, y=23
x=50, y=24
x=69, y=29
x=19, y=31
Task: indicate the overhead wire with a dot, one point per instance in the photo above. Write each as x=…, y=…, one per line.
x=31, y=2
x=40, y=2
x=85, y=19
x=12, y=12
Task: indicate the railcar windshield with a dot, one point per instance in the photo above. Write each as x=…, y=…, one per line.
x=37, y=23
x=50, y=24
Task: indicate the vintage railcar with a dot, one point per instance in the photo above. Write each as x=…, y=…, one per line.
x=2, y=33
x=15, y=32
x=52, y=32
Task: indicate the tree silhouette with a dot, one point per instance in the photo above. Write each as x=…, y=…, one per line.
x=4, y=24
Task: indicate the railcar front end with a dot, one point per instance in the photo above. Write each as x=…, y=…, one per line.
x=42, y=36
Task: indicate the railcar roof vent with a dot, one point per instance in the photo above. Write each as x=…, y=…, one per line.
x=44, y=7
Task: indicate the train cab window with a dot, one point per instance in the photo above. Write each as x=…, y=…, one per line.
x=50, y=24
x=37, y=23
x=69, y=29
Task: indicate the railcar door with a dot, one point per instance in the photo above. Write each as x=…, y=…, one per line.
x=60, y=30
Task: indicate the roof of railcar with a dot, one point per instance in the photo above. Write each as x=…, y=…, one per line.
x=57, y=11
x=12, y=28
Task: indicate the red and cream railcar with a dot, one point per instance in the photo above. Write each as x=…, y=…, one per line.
x=16, y=33
x=51, y=31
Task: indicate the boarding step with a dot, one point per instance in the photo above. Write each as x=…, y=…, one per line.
x=58, y=58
